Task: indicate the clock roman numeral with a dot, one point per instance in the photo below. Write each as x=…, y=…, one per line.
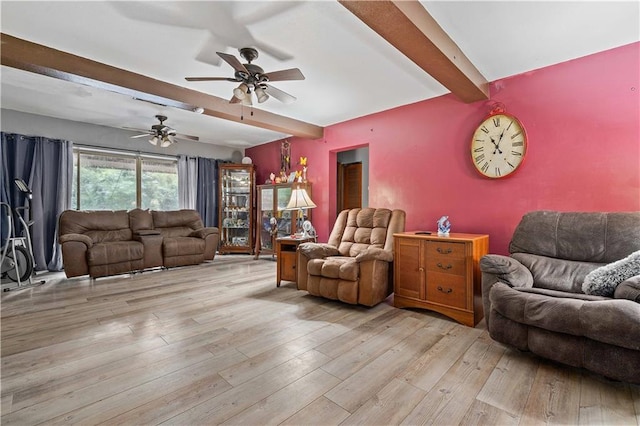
x=485, y=167
x=496, y=121
x=510, y=123
x=513, y=136
x=479, y=158
x=479, y=149
x=512, y=166
x=497, y=171
x=484, y=129
x=518, y=143
x=519, y=154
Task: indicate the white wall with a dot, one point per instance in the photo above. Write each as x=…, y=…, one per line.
x=101, y=136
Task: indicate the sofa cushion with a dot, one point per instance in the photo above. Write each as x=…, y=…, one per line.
x=100, y=226
x=600, y=320
x=364, y=228
x=182, y=246
x=580, y=236
x=556, y=274
x=140, y=219
x=114, y=252
x=604, y=280
x=344, y=268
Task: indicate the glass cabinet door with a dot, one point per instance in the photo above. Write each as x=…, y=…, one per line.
x=236, y=205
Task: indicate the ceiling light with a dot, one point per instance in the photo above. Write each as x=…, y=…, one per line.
x=261, y=95
x=241, y=91
x=154, y=140
x=166, y=141
x=198, y=110
x=246, y=101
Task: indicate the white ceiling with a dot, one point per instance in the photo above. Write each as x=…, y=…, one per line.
x=350, y=71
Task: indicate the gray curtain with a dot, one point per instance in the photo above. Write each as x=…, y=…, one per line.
x=207, y=194
x=198, y=187
x=47, y=167
x=187, y=181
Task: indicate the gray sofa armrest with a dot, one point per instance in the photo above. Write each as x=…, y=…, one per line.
x=507, y=270
x=375, y=253
x=629, y=289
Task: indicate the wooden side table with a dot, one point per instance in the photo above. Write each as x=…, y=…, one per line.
x=440, y=273
x=286, y=258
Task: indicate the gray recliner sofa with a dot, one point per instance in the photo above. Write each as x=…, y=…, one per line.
x=534, y=298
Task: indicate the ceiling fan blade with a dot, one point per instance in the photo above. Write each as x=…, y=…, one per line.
x=233, y=61
x=188, y=137
x=210, y=79
x=141, y=136
x=290, y=74
x=283, y=97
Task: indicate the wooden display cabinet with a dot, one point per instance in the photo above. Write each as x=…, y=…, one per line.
x=272, y=201
x=440, y=273
x=236, y=208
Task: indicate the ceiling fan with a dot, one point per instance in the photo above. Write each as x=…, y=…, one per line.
x=253, y=79
x=162, y=134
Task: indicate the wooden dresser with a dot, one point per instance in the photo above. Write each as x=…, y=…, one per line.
x=440, y=273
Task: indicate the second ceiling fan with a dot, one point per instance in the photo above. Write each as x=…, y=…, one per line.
x=253, y=79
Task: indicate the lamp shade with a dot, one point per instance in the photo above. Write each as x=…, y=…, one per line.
x=241, y=91
x=300, y=200
x=153, y=140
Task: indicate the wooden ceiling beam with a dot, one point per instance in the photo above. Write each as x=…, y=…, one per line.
x=28, y=56
x=410, y=29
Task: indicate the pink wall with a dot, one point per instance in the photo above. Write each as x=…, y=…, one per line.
x=582, y=118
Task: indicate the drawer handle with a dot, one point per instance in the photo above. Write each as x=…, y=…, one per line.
x=421, y=269
x=441, y=266
x=448, y=290
x=443, y=251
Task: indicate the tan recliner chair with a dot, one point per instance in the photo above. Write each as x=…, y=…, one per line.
x=356, y=265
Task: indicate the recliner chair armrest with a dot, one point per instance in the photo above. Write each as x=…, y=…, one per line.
x=77, y=238
x=203, y=232
x=375, y=253
x=318, y=250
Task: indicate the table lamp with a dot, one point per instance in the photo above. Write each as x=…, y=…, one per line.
x=300, y=200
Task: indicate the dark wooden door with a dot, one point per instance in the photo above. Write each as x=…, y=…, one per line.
x=350, y=190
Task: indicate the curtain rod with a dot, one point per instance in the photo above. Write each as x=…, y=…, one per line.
x=124, y=151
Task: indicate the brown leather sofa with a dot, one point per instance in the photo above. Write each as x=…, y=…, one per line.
x=535, y=300
x=102, y=243
x=356, y=265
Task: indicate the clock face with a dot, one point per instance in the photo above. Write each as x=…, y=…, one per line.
x=498, y=146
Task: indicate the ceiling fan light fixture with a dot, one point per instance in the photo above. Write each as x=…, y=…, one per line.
x=153, y=140
x=241, y=91
x=261, y=95
x=246, y=101
x=166, y=141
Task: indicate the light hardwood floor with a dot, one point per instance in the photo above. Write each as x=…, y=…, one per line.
x=219, y=343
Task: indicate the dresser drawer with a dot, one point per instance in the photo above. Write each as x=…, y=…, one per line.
x=444, y=249
x=447, y=289
x=447, y=265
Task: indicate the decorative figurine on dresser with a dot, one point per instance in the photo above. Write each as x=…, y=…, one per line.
x=236, y=208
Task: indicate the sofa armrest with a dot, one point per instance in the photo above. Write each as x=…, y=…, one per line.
x=318, y=250
x=203, y=232
x=629, y=289
x=81, y=238
x=507, y=270
x=375, y=253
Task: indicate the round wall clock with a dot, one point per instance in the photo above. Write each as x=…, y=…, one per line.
x=499, y=145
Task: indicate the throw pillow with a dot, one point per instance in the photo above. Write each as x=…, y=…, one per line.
x=604, y=280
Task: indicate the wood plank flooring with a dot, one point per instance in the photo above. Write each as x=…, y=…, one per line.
x=218, y=343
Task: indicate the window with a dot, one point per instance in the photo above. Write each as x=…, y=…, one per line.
x=112, y=180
